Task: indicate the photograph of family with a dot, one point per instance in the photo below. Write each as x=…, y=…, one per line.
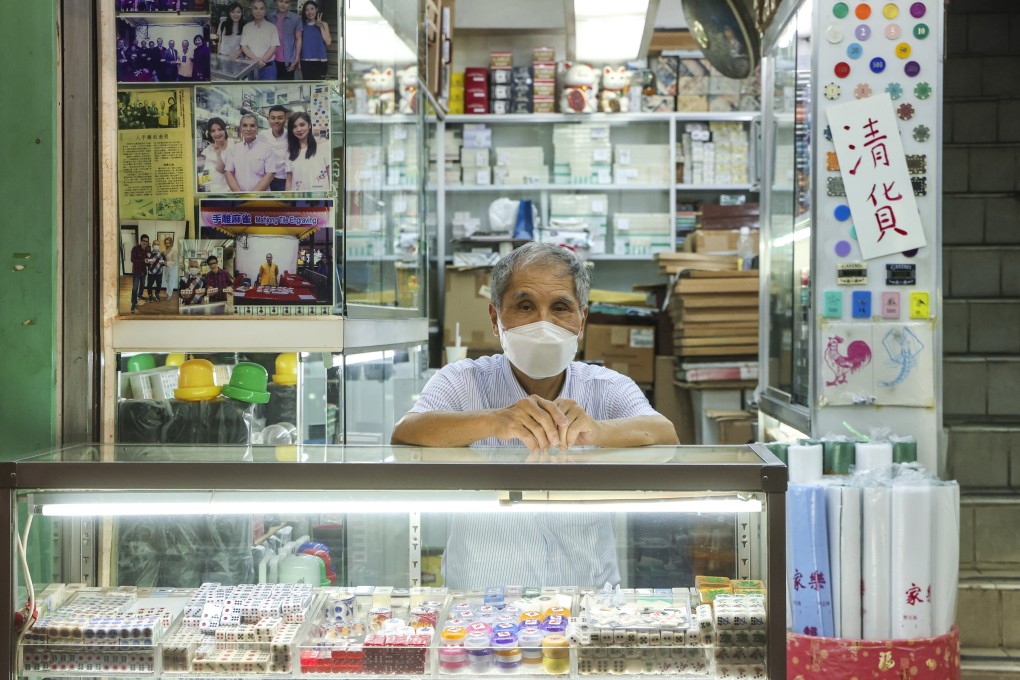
x=161, y=50
x=263, y=138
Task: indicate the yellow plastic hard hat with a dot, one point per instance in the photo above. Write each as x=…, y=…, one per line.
x=286, y=369
x=175, y=359
x=196, y=381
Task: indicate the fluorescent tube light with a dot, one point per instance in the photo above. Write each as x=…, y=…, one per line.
x=608, y=30
x=251, y=503
x=370, y=37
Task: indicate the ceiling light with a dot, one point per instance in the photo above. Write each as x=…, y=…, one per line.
x=370, y=38
x=609, y=30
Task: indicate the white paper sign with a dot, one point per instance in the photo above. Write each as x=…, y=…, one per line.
x=874, y=170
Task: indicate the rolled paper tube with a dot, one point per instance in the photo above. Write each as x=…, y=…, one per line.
x=838, y=457
x=805, y=463
x=904, y=452
x=779, y=450
x=872, y=455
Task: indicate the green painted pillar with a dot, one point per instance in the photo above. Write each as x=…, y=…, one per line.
x=29, y=194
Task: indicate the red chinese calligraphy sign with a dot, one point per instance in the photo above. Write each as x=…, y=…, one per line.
x=874, y=170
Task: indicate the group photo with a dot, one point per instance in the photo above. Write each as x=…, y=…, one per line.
x=272, y=138
x=163, y=50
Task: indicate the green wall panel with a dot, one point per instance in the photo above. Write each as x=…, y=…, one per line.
x=29, y=189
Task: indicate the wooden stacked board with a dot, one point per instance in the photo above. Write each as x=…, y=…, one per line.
x=715, y=313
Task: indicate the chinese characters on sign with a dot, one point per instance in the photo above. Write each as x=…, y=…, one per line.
x=875, y=175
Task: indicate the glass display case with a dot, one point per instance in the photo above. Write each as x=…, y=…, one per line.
x=197, y=561
x=788, y=227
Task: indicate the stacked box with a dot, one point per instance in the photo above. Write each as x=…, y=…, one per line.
x=732, y=153
x=544, y=86
x=457, y=91
x=522, y=90
x=366, y=167
x=582, y=154
x=500, y=79
x=452, y=141
x=476, y=90
x=520, y=165
x=665, y=71
x=642, y=233
x=475, y=155
x=574, y=212
x=402, y=156
x=642, y=164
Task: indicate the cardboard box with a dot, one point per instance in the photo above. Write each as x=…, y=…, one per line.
x=732, y=427
x=672, y=401
x=629, y=350
x=718, y=240
x=467, y=301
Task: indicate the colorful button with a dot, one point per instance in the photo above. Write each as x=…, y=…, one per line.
x=841, y=213
x=912, y=68
x=905, y=111
x=922, y=133
x=842, y=69
x=833, y=35
x=832, y=91
x=903, y=50
x=862, y=11
x=843, y=248
x=917, y=10
x=893, y=31
x=840, y=10
x=877, y=65
x=922, y=90
x=895, y=91
x=890, y=11
x=921, y=31
x=854, y=50
x=862, y=91
x=863, y=32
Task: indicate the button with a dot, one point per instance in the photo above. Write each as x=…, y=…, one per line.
x=905, y=111
x=892, y=31
x=863, y=32
x=843, y=248
x=854, y=50
x=912, y=68
x=833, y=35
x=877, y=65
x=863, y=11
x=890, y=305
x=890, y=11
x=921, y=31
x=921, y=133
x=917, y=10
x=841, y=213
x=832, y=91
x=922, y=90
x=903, y=50
x=842, y=69
x=860, y=305
x=895, y=91
x=840, y=10
x=862, y=91
x=832, y=304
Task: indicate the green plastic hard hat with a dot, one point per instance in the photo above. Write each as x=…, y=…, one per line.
x=248, y=383
x=141, y=362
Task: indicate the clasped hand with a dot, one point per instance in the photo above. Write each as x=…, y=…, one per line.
x=542, y=424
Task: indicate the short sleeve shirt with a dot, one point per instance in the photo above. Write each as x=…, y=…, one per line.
x=547, y=549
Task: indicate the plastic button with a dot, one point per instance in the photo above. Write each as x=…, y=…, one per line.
x=877, y=65
x=893, y=31
x=833, y=35
x=863, y=32
x=854, y=50
x=840, y=10
x=890, y=11
x=912, y=68
x=921, y=31
x=863, y=11
x=842, y=69
x=841, y=213
x=903, y=50
x=917, y=10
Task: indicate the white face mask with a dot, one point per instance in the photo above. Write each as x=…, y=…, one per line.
x=193, y=271
x=541, y=349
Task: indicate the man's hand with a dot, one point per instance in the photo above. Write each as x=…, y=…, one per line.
x=537, y=422
x=580, y=429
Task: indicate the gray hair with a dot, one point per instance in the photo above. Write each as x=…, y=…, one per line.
x=546, y=256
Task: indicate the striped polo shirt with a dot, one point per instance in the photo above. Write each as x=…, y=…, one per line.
x=537, y=549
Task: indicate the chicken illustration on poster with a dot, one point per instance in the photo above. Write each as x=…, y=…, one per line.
x=847, y=374
x=875, y=176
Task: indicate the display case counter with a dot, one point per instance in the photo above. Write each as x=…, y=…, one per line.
x=324, y=560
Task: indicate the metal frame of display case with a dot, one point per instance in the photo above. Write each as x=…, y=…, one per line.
x=403, y=469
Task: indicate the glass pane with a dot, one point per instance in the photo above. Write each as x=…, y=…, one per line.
x=381, y=388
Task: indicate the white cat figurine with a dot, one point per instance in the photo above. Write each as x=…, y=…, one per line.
x=614, y=97
x=407, y=79
x=580, y=89
x=381, y=95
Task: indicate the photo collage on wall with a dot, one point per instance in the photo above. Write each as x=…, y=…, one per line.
x=225, y=150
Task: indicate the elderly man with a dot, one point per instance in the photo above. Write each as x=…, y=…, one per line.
x=249, y=166
x=533, y=395
x=269, y=273
x=259, y=41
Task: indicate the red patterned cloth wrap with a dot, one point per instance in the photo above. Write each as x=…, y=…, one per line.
x=818, y=658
